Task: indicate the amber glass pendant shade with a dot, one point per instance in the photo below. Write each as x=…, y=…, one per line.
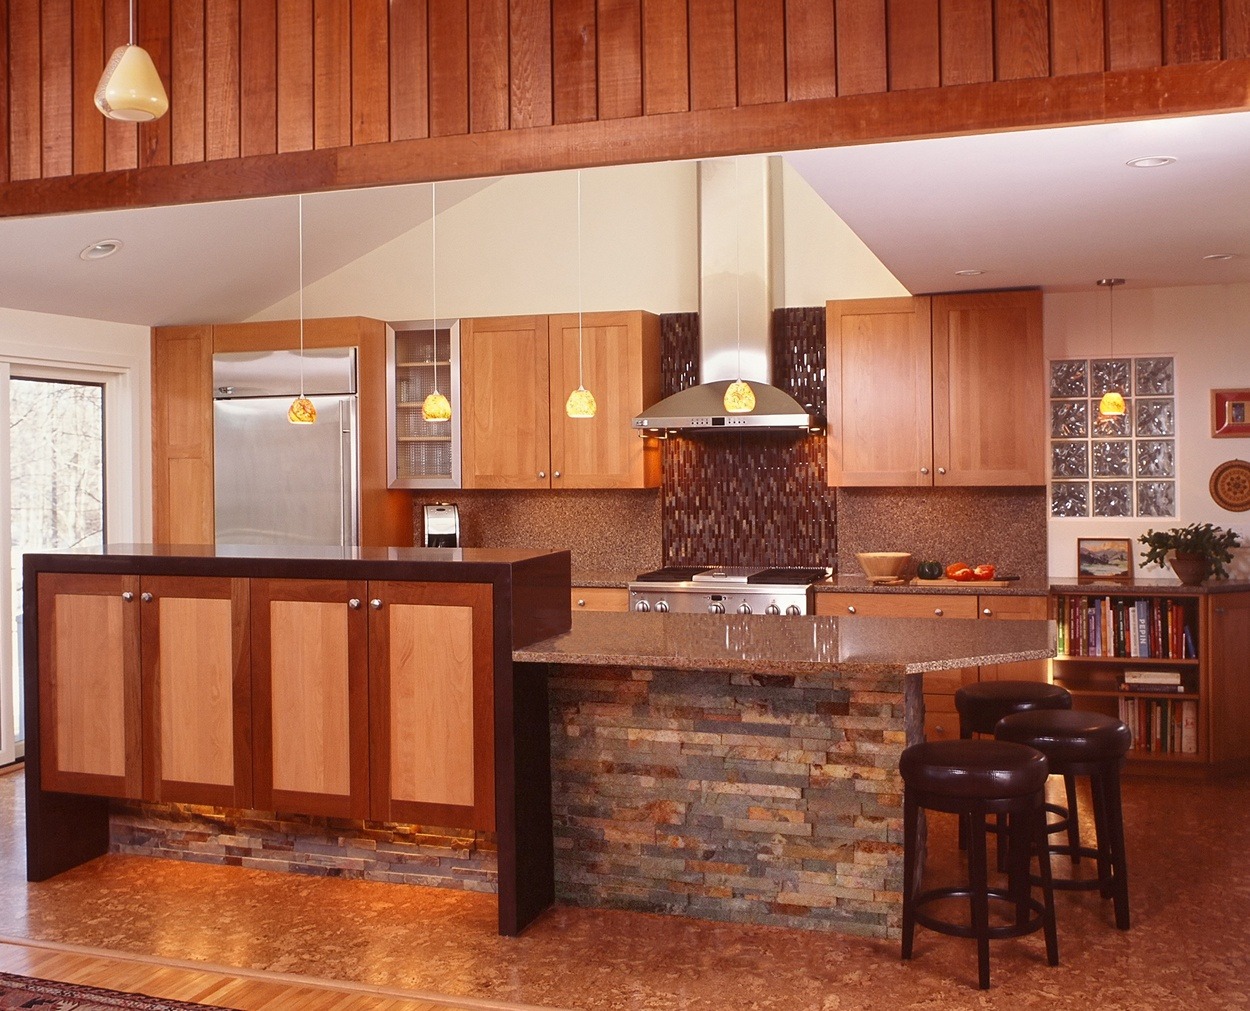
x=301, y=412
x=739, y=398
x=581, y=404
x=436, y=408
x=1112, y=404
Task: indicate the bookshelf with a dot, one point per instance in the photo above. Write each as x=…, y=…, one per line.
x=1169, y=660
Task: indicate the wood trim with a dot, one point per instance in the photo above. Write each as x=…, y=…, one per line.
x=25, y=124
x=448, y=38
x=811, y=49
x=56, y=87
x=1077, y=41
x=860, y=33
x=409, y=77
x=264, y=592
x=488, y=65
x=370, y=77
x=182, y=435
x=620, y=58
x=967, y=32
x=761, y=44
x=258, y=77
x=295, y=76
x=332, y=73
x=529, y=65
x=1021, y=38
x=121, y=140
x=712, y=54
x=573, y=50
x=187, y=82
x=222, y=79
x=153, y=27
x=665, y=39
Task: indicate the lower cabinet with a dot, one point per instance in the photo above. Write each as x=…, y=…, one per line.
x=145, y=687
x=941, y=718
x=337, y=698
x=599, y=598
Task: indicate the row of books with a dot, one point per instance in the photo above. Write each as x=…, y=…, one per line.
x=1120, y=626
x=1162, y=726
x=1153, y=681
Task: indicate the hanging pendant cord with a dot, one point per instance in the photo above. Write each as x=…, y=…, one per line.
x=132, y=22
x=434, y=274
x=301, y=295
x=580, y=383
x=738, y=258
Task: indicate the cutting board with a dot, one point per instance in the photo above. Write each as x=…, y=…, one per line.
x=997, y=581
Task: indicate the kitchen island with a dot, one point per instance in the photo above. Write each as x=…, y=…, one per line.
x=745, y=768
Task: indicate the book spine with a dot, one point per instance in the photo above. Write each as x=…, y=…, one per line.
x=1191, y=651
x=1151, y=688
x=1189, y=727
x=1143, y=630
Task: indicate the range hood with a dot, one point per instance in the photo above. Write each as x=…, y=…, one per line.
x=739, y=268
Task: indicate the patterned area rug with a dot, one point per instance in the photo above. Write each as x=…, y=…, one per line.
x=47, y=995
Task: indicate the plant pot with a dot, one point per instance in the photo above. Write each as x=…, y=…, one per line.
x=1190, y=569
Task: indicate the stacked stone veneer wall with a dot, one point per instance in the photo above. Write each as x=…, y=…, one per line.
x=763, y=799
x=326, y=847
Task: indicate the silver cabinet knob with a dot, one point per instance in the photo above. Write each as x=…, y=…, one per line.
x=924, y=470
x=986, y=611
x=850, y=609
x=555, y=473
x=941, y=470
x=642, y=606
x=542, y=474
x=937, y=611
x=581, y=601
x=128, y=596
x=146, y=597
x=662, y=606
x=376, y=604
x=354, y=603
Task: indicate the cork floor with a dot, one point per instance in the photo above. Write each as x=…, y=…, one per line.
x=1189, y=945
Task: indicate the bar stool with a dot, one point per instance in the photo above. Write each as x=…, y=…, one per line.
x=975, y=779
x=983, y=704
x=1084, y=744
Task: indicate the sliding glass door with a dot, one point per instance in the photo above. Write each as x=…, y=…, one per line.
x=53, y=500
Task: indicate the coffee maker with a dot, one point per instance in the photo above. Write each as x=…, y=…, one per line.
x=442, y=525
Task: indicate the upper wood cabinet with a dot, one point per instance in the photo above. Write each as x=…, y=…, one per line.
x=517, y=373
x=182, y=422
x=944, y=390
x=158, y=707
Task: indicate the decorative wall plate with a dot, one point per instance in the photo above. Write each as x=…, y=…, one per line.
x=1230, y=486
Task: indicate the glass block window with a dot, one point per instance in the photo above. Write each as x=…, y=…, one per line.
x=1113, y=466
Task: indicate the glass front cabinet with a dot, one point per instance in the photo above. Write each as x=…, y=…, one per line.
x=423, y=357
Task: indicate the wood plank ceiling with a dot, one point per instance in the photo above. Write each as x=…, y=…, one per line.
x=273, y=96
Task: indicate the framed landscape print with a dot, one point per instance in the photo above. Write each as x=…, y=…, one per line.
x=1104, y=558
x=1230, y=414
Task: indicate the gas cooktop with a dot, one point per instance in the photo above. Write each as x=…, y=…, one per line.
x=753, y=575
x=723, y=589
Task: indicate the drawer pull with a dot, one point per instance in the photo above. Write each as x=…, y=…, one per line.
x=376, y=604
x=146, y=597
x=850, y=609
x=581, y=601
x=354, y=603
x=937, y=611
x=986, y=611
x=128, y=596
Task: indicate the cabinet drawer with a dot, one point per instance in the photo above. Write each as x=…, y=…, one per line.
x=1014, y=608
x=947, y=682
x=941, y=721
x=600, y=598
x=903, y=605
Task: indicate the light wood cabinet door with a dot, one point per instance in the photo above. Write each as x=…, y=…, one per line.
x=599, y=598
x=505, y=433
x=432, y=725
x=880, y=392
x=619, y=354
x=197, y=721
x=1224, y=703
x=999, y=608
x=898, y=605
x=989, y=389
x=182, y=435
x=90, y=707
x=310, y=696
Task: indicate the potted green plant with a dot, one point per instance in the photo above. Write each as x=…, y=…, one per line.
x=1198, y=550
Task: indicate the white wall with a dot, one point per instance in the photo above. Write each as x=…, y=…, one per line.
x=120, y=355
x=1207, y=330
x=511, y=248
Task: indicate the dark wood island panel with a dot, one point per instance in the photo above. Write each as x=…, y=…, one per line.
x=522, y=598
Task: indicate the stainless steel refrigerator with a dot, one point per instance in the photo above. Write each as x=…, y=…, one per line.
x=279, y=483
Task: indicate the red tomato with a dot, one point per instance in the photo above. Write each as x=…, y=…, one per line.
x=984, y=571
x=954, y=568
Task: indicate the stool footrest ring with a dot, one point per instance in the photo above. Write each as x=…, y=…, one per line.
x=1033, y=923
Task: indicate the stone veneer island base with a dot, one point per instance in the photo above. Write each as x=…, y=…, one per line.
x=745, y=769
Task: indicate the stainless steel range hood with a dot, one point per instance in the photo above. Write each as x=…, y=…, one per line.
x=739, y=268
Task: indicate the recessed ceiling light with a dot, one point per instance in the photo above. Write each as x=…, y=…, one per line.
x=99, y=250
x=968, y=273
x=1151, y=161
x=1219, y=256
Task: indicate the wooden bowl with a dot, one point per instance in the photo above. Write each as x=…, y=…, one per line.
x=882, y=565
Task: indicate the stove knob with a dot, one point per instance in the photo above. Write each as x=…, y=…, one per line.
x=793, y=610
x=642, y=605
x=772, y=609
x=715, y=608
x=662, y=607
x=744, y=608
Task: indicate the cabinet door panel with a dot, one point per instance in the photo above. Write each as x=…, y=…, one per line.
x=880, y=392
x=1002, y=608
x=310, y=696
x=989, y=389
x=900, y=605
x=89, y=690
x=599, y=598
x=197, y=690
x=618, y=352
x=1224, y=707
x=431, y=704
x=505, y=433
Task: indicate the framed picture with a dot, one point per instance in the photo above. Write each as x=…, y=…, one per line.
x=1230, y=414
x=1104, y=558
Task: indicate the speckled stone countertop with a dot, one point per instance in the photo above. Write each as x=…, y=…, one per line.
x=757, y=644
x=604, y=578
x=859, y=584
x=1101, y=588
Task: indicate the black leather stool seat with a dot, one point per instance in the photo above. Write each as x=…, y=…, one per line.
x=1084, y=744
x=974, y=779
x=981, y=769
x=983, y=704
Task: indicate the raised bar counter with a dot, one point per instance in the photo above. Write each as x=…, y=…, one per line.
x=745, y=768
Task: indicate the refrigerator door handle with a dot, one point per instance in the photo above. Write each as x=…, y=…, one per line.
x=347, y=471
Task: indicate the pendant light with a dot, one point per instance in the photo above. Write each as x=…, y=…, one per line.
x=435, y=407
x=581, y=402
x=1112, y=403
x=130, y=89
x=301, y=411
x=739, y=397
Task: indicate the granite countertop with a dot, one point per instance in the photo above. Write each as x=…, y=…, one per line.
x=756, y=644
x=604, y=578
x=857, y=583
x=1116, y=588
